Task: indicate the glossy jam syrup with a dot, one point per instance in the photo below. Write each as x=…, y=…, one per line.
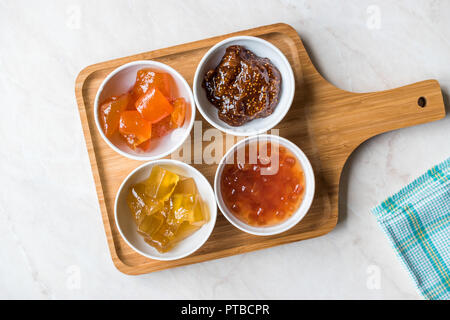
x=167, y=208
x=264, y=187
x=243, y=86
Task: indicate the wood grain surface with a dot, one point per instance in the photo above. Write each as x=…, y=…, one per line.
x=327, y=123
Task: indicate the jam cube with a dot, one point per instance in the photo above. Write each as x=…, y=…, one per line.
x=187, y=204
x=146, y=144
x=141, y=205
x=153, y=105
x=167, y=208
x=151, y=224
x=186, y=186
x=157, y=231
x=147, y=78
x=134, y=128
x=159, y=241
x=184, y=231
x=163, y=237
x=168, y=236
x=161, y=183
x=187, y=207
x=162, y=127
x=109, y=113
x=179, y=112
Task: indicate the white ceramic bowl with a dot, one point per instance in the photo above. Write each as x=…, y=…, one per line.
x=261, y=48
x=296, y=216
x=120, y=81
x=127, y=226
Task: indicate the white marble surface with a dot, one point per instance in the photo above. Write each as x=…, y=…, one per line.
x=52, y=243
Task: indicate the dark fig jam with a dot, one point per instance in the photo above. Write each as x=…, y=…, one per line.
x=243, y=86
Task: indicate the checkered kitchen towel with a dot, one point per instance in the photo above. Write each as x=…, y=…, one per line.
x=417, y=222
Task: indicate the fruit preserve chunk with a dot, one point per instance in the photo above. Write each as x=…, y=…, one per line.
x=187, y=207
x=265, y=189
x=162, y=127
x=186, y=186
x=110, y=113
x=147, y=78
x=186, y=203
x=168, y=236
x=179, y=112
x=161, y=183
x=166, y=208
x=153, y=105
x=140, y=204
x=151, y=224
x=134, y=128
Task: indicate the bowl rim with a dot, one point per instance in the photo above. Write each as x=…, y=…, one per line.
x=212, y=213
x=289, y=76
x=178, y=143
x=304, y=206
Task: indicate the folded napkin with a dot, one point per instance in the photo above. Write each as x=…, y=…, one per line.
x=417, y=223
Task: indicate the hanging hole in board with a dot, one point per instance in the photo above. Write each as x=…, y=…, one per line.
x=422, y=102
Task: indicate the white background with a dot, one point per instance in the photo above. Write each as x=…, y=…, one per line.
x=52, y=242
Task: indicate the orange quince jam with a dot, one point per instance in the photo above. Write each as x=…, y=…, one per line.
x=149, y=110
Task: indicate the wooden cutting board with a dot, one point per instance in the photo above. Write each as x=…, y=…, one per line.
x=327, y=123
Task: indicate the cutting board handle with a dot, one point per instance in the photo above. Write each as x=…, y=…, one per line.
x=353, y=118
x=369, y=114
x=410, y=105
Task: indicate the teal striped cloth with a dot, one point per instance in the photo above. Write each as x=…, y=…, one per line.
x=417, y=223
